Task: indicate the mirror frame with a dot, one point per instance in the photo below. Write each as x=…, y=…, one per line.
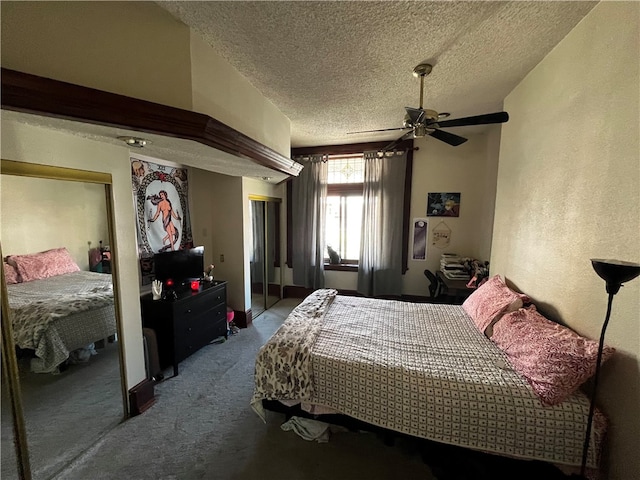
x=9, y=360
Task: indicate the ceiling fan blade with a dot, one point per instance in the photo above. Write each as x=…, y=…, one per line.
x=381, y=130
x=397, y=142
x=415, y=114
x=446, y=137
x=498, y=117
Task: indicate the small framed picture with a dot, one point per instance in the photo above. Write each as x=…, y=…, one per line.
x=443, y=205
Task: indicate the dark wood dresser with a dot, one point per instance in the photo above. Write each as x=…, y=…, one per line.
x=188, y=323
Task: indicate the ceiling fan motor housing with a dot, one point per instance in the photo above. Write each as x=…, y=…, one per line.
x=421, y=122
x=420, y=126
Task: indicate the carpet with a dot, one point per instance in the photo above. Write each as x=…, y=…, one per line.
x=65, y=413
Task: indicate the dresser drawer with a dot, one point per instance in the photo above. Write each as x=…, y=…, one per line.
x=188, y=323
x=193, y=332
x=200, y=302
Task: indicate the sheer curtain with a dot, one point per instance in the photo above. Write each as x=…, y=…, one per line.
x=309, y=197
x=380, y=269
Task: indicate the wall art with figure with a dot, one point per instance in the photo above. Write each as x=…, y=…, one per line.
x=443, y=205
x=163, y=224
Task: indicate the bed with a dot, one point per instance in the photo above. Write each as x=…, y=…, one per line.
x=57, y=309
x=425, y=370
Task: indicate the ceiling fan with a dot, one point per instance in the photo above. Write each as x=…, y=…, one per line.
x=420, y=122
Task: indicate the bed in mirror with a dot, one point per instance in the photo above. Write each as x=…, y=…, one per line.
x=65, y=330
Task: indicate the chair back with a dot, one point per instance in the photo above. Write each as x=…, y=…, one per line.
x=434, y=284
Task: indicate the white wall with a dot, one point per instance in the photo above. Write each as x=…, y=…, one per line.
x=29, y=144
x=40, y=214
x=569, y=190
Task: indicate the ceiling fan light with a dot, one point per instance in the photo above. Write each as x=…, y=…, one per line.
x=134, y=141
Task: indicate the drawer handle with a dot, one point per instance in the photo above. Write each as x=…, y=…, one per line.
x=188, y=310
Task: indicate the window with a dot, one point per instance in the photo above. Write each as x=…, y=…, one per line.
x=351, y=188
x=343, y=219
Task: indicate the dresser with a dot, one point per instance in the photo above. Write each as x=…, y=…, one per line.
x=188, y=323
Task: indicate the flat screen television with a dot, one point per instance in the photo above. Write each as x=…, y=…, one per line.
x=181, y=266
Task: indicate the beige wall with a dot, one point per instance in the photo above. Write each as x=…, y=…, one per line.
x=437, y=167
x=222, y=93
x=569, y=190
x=131, y=48
x=41, y=146
x=139, y=50
x=39, y=214
x=468, y=169
x=217, y=218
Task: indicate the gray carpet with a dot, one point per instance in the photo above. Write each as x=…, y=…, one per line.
x=64, y=413
x=202, y=427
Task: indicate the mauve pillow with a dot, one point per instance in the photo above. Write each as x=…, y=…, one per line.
x=554, y=359
x=10, y=274
x=489, y=301
x=49, y=263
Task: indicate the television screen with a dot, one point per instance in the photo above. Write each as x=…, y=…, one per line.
x=180, y=265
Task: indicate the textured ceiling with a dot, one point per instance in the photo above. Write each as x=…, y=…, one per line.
x=337, y=67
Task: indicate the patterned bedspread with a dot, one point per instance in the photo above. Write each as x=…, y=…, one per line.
x=57, y=315
x=419, y=369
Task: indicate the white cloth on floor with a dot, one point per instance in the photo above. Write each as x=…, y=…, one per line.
x=307, y=428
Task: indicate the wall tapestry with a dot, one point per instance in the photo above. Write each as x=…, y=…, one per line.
x=163, y=224
x=443, y=204
x=420, y=228
x=441, y=235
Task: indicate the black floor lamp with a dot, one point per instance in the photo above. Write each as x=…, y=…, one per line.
x=614, y=273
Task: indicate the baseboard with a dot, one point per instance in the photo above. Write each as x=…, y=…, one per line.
x=141, y=397
x=242, y=319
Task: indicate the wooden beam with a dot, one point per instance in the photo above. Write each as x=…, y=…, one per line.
x=23, y=92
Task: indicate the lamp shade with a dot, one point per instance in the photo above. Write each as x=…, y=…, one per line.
x=615, y=272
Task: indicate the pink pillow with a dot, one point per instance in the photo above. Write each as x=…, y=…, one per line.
x=489, y=301
x=49, y=263
x=11, y=274
x=554, y=359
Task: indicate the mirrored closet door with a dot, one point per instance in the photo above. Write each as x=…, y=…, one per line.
x=266, y=271
x=67, y=371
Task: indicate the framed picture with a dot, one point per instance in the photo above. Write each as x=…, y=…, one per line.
x=443, y=205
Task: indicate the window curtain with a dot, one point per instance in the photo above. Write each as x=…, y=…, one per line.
x=380, y=269
x=309, y=197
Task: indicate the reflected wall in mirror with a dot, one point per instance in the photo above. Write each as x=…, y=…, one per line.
x=266, y=280
x=69, y=362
